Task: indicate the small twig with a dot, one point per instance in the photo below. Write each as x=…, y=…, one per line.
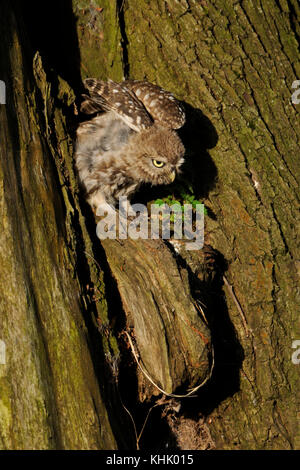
x=238, y=305
x=137, y=438
x=189, y=394
x=143, y=427
x=92, y=257
x=201, y=311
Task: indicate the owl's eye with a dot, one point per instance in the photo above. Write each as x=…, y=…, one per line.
x=158, y=164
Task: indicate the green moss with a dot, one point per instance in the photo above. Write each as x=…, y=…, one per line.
x=99, y=39
x=5, y=413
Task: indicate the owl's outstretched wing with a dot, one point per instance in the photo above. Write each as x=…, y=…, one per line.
x=160, y=104
x=116, y=97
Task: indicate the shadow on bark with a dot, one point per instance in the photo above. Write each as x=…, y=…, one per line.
x=225, y=380
x=199, y=135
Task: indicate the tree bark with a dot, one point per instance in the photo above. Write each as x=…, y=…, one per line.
x=50, y=392
x=236, y=61
x=67, y=302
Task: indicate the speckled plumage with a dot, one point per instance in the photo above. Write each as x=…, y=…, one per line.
x=132, y=141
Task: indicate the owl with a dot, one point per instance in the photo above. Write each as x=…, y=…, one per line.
x=130, y=141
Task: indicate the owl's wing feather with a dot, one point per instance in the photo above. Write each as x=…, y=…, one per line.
x=89, y=106
x=161, y=104
x=116, y=97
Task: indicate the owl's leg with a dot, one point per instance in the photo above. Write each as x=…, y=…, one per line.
x=107, y=226
x=99, y=204
x=105, y=209
x=125, y=207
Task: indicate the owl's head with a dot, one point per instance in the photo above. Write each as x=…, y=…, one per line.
x=159, y=156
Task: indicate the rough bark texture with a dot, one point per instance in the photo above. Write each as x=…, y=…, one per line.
x=233, y=64
x=171, y=338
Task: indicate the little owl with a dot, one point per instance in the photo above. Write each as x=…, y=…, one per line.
x=132, y=139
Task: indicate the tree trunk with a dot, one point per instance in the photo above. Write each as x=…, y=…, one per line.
x=92, y=332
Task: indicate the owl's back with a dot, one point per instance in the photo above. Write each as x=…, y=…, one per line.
x=105, y=132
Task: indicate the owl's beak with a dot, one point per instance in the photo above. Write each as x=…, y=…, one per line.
x=172, y=176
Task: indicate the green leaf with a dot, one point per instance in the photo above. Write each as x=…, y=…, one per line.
x=159, y=202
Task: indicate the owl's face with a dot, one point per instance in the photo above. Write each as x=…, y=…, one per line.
x=159, y=157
